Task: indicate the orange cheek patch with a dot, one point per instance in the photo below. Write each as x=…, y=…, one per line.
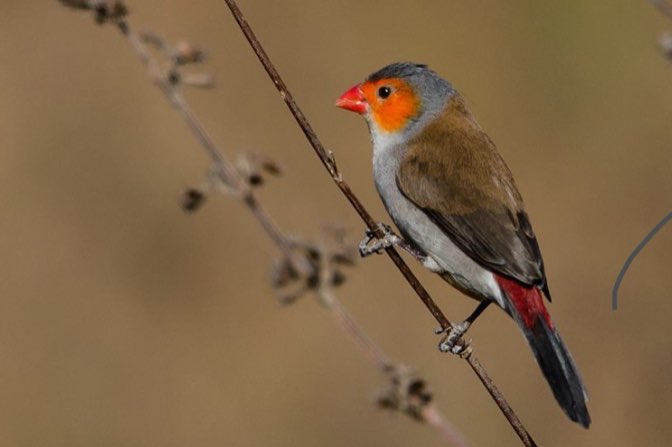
x=393, y=113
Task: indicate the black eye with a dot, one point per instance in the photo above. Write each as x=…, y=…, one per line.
x=384, y=92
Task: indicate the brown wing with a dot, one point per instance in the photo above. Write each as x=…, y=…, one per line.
x=469, y=192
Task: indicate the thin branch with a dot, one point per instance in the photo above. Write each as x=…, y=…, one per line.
x=223, y=168
x=405, y=391
x=328, y=161
x=414, y=399
x=354, y=331
x=411, y=396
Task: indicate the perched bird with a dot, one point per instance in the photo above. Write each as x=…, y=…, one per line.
x=458, y=210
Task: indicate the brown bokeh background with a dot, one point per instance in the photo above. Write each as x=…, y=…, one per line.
x=124, y=321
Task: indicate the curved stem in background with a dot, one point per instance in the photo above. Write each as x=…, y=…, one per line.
x=633, y=255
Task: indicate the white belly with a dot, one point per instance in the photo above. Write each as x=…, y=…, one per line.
x=443, y=256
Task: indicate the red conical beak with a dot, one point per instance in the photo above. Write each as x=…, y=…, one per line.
x=353, y=100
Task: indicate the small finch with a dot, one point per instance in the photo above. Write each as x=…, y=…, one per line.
x=459, y=212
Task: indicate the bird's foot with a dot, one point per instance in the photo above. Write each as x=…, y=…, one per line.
x=452, y=341
x=373, y=244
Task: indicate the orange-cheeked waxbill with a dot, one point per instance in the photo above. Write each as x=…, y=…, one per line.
x=458, y=210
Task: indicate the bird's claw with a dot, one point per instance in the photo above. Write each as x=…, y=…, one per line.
x=451, y=342
x=372, y=244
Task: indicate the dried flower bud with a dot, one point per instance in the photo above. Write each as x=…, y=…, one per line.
x=112, y=6
x=252, y=166
x=110, y=10
x=323, y=258
x=342, y=251
x=405, y=392
x=187, y=53
x=283, y=272
x=174, y=77
x=104, y=9
x=192, y=200
x=287, y=281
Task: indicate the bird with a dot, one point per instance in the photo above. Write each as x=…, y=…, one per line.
x=458, y=210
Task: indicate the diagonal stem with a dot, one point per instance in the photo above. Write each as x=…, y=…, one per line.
x=328, y=161
x=224, y=169
x=237, y=185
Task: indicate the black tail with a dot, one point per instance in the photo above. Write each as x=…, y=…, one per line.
x=559, y=369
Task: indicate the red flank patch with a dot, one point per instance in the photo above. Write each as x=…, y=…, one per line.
x=527, y=300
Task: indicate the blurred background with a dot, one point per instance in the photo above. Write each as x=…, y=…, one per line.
x=124, y=321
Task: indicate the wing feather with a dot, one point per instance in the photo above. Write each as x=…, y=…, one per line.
x=469, y=192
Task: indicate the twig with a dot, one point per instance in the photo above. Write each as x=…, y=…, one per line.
x=223, y=169
x=328, y=161
x=317, y=269
x=354, y=331
x=407, y=392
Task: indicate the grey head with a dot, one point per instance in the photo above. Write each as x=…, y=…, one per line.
x=433, y=91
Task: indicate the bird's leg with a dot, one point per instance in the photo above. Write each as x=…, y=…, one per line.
x=372, y=244
x=448, y=342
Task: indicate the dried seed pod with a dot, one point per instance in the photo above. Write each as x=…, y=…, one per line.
x=405, y=392
x=192, y=200
x=252, y=167
x=186, y=53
